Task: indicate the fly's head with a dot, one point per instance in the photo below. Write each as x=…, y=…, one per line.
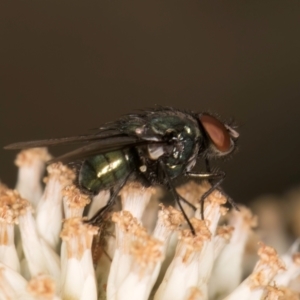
x=219, y=138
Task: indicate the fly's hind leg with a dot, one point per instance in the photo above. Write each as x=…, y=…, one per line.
x=101, y=213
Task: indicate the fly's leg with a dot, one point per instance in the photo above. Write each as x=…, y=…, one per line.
x=229, y=199
x=215, y=179
x=176, y=196
x=186, y=202
x=207, y=165
x=210, y=177
x=99, y=216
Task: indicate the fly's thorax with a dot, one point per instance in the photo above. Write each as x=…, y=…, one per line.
x=103, y=171
x=155, y=151
x=175, y=170
x=177, y=149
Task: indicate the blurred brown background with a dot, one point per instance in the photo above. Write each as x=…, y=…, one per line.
x=68, y=66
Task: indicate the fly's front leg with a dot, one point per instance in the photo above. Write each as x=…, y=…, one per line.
x=215, y=179
x=210, y=180
x=207, y=165
x=229, y=199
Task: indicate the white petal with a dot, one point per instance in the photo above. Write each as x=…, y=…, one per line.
x=31, y=165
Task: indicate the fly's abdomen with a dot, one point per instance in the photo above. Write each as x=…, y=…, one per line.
x=103, y=171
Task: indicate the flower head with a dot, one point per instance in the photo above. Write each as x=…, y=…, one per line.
x=145, y=250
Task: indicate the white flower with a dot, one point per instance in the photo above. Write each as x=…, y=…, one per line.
x=31, y=165
x=265, y=270
x=78, y=277
x=227, y=272
x=144, y=251
x=8, y=217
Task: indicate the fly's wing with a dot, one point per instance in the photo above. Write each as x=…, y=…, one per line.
x=112, y=136
x=65, y=141
x=95, y=144
x=98, y=147
x=124, y=127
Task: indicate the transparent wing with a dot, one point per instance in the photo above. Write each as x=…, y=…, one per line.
x=98, y=147
x=65, y=141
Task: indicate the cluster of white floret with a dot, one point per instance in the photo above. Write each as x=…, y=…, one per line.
x=143, y=251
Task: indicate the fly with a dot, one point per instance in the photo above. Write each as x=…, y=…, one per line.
x=156, y=146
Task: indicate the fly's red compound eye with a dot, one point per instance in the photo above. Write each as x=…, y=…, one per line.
x=217, y=132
